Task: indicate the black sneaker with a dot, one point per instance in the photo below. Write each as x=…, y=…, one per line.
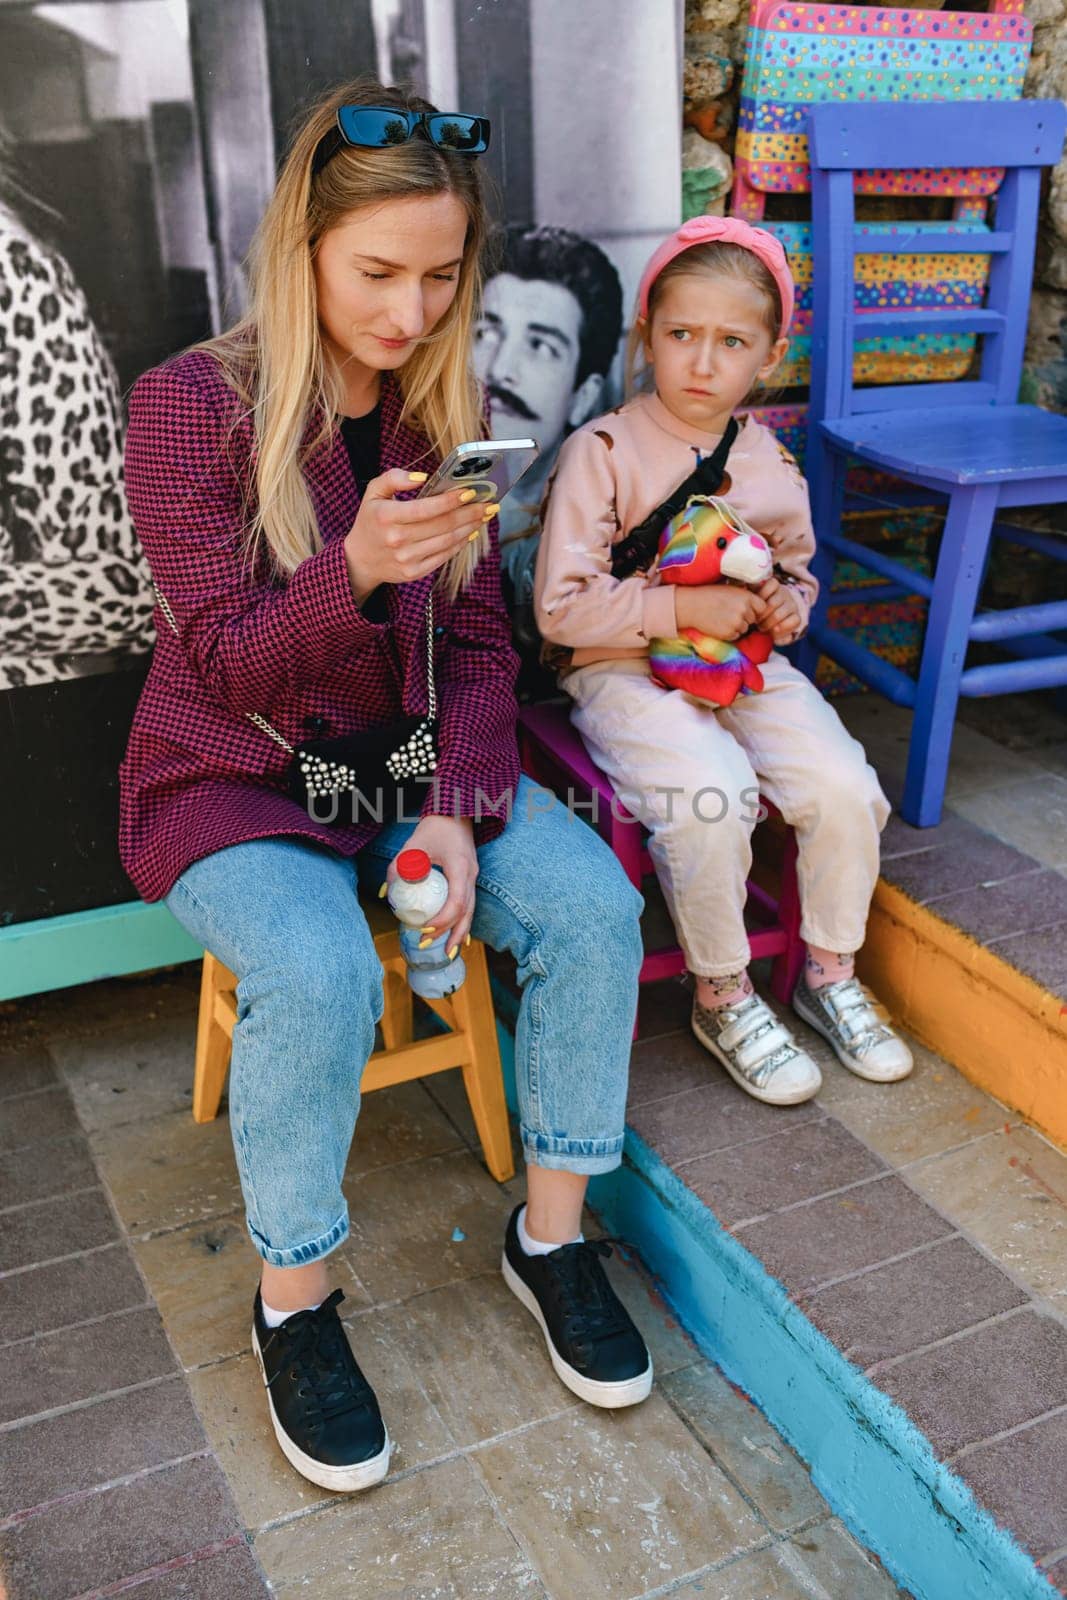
x=324, y=1411
x=592, y=1342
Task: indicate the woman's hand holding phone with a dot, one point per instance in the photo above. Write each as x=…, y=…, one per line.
x=397, y=541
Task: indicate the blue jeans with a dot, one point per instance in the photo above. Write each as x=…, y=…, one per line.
x=284, y=916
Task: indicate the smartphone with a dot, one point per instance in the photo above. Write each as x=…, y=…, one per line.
x=491, y=467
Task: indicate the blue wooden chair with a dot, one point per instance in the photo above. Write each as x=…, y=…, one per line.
x=967, y=442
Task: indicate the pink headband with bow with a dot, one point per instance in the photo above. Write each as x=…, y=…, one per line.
x=727, y=230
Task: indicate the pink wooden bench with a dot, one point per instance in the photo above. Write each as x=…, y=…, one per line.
x=554, y=754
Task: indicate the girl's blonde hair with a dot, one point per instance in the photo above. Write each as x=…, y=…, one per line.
x=274, y=357
x=718, y=259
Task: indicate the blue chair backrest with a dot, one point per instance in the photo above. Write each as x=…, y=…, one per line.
x=1021, y=137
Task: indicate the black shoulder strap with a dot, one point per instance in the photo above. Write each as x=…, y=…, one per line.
x=637, y=551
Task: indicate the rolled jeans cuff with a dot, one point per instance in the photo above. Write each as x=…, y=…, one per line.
x=298, y=1255
x=585, y=1156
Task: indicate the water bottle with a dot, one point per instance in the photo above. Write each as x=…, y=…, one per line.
x=416, y=895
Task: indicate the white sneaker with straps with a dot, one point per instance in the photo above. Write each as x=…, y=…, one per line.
x=849, y=1017
x=758, y=1052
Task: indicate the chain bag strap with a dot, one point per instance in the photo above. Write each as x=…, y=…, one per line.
x=371, y=768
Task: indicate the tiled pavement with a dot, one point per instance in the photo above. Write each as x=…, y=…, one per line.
x=996, y=865
x=135, y=1455
x=919, y=1226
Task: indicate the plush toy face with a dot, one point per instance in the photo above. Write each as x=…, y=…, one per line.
x=708, y=542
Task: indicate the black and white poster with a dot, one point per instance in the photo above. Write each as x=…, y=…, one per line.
x=587, y=99
x=138, y=145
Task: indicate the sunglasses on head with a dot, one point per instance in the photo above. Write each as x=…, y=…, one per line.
x=378, y=127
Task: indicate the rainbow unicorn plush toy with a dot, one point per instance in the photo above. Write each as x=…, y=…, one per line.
x=708, y=542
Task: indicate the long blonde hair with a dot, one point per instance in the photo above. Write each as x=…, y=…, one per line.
x=274, y=357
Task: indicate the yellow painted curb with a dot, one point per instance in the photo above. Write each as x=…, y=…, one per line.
x=1002, y=1030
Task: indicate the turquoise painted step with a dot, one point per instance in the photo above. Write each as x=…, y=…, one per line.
x=866, y=1457
x=108, y=942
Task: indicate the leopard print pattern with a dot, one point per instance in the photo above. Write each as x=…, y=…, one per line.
x=75, y=591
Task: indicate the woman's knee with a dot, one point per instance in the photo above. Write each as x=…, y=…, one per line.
x=599, y=908
x=602, y=886
x=321, y=989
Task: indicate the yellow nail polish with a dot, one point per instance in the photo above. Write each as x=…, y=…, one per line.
x=383, y=891
x=466, y=941
x=467, y=496
x=417, y=477
x=490, y=511
x=426, y=940
x=472, y=536
x=452, y=952
x=428, y=929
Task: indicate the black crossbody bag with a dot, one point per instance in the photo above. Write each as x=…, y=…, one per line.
x=637, y=551
x=378, y=775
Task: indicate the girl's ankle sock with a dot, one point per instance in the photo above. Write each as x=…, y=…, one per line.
x=823, y=967
x=719, y=993
x=537, y=1247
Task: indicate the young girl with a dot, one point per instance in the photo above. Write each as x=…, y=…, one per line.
x=714, y=307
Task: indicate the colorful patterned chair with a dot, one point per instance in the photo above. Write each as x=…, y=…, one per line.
x=801, y=55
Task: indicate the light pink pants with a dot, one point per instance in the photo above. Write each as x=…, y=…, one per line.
x=692, y=773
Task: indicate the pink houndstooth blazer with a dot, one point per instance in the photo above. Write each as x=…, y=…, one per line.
x=198, y=775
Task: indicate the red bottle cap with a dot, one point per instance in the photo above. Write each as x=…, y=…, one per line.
x=413, y=865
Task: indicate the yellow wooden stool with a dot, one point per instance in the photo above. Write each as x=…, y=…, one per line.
x=471, y=1042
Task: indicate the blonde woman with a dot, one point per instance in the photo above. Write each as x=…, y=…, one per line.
x=270, y=474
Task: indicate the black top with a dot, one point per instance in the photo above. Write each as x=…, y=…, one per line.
x=363, y=441
x=362, y=437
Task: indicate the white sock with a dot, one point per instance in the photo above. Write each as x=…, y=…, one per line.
x=535, y=1247
x=274, y=1319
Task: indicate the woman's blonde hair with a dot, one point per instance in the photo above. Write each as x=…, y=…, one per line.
x=717, y=259
x=274, y=356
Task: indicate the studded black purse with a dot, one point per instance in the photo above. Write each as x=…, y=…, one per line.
x=376, y=775
x=374, y=771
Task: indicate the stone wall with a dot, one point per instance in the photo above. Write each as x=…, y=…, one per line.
x=1047, y=347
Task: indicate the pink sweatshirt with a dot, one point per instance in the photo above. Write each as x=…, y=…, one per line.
x=611, y=473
